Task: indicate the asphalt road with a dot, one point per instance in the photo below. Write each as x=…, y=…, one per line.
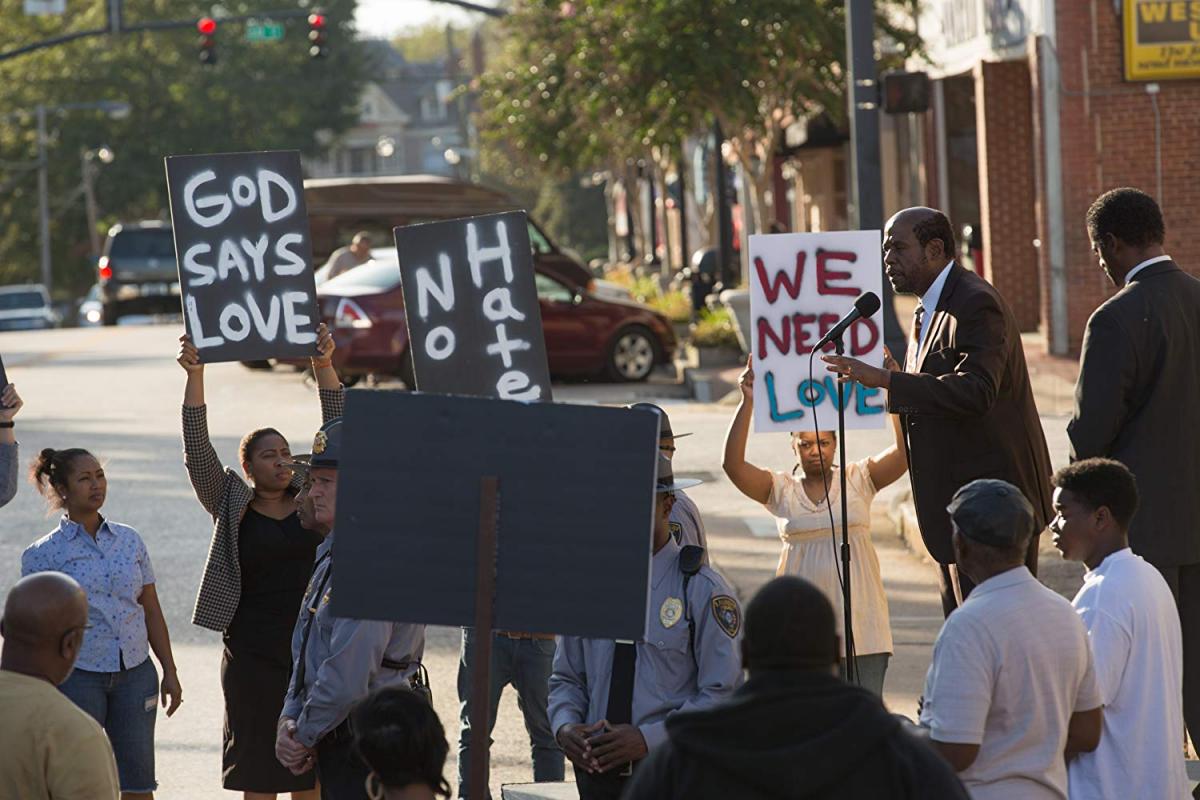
x=117, y=392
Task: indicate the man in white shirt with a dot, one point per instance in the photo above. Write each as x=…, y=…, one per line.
x=1011, y=688
x=348, y=257
x=1135, y=635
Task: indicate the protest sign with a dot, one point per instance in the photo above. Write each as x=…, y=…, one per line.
x=474, y=323
x=576, y=499
x=245, y=258
x=801, y=285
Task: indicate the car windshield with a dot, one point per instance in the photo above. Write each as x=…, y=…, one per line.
x=381, y=274
x=145, y=243
x=12, y=301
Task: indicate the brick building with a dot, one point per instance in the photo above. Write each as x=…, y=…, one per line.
x=1032, y=118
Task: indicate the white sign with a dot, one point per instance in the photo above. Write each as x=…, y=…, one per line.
x=801, y=285
x=36, y=8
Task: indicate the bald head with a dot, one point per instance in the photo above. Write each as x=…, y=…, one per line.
x=918, y=242
x=45, y=616
x=789, y=625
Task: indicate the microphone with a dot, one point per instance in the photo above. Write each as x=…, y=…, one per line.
x=865, y=306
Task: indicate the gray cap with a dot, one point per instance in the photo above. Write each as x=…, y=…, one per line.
x=664, y=422
x=327, y=448
x=992, y=512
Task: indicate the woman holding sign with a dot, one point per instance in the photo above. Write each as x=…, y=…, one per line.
x=258, y=566
x=801, y=506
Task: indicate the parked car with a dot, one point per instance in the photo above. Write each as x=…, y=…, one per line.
x=91, y=309
x=585, y=334
x=137, y=271
x=26, y=306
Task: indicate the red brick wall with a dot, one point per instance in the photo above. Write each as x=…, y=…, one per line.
x=1108, y=141
x=1003, y=104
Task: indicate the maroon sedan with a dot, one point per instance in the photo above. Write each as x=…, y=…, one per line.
x=586, y=335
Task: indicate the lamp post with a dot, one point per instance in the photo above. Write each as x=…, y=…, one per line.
x=115, y=110
x=104, y=155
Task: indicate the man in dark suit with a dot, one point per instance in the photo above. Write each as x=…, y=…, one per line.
x=964, y=396
x=1136, y=400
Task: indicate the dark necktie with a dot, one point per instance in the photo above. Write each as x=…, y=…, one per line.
x=311, y=608
x=620, y=687
x=918, y=322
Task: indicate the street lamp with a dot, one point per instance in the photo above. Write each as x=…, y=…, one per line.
x=115, y=110
x=104, y=155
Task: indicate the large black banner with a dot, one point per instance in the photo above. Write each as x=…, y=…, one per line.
x=576, y=508
x=245, y=257
x=474, y=323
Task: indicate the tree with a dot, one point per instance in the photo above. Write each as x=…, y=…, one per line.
x=258, y=97
x=593, y=83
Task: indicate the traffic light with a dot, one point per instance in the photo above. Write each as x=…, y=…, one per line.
x=317, y=47
x=906, y=92
x=208, y=40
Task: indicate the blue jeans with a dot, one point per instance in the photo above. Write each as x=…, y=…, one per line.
x=526, y=664
x=125, y=704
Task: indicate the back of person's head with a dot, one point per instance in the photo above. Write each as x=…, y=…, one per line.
x=1129, y=214
x=45, y=616
x=402, y=741
x=1102, y=482
x=362, y=239
x=790, y=626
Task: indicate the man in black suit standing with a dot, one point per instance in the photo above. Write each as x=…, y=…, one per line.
x=964, y=397
x=1136, y=400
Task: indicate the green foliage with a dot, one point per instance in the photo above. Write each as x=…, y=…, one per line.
x=714, y=328
x=675, y=306
x=258, y=97
x=574, y=216
x=428, y=42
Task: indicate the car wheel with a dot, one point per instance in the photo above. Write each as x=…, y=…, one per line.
x=264, y=364
x=632, y=354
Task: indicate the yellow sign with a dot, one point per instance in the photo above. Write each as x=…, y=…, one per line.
x=1162, y=39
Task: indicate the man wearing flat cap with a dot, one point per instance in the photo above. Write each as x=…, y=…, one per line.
x=685, y=524
x=337, y=661
x=1006, y=701
x=609, y=701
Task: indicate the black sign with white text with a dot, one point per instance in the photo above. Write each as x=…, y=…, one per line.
x=474, y=323
x=245, y=256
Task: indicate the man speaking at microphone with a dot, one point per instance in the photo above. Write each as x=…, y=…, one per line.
x=964, y=397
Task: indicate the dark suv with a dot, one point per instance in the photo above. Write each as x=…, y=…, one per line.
x=137, y=271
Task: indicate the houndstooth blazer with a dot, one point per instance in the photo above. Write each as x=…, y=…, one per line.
x=226, y=496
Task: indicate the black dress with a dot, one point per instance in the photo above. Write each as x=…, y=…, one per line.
x=276, y=558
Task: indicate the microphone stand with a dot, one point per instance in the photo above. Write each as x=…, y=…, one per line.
x=851, y=656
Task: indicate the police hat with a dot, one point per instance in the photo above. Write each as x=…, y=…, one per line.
x=327, y=446
x=664, y=422
x=665, y=481
x=992, y=512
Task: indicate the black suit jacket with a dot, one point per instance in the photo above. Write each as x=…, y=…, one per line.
x=968, y=410
x=1137, y=401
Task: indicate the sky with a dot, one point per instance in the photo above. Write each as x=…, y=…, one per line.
x=384, y=18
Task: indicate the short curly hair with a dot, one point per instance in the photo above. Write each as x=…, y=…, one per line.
x=1129, y=214
x=1102, y=482
x=936, y=226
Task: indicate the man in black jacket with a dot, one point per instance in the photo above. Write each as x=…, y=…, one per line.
x=1136, y=399
x=794, y=730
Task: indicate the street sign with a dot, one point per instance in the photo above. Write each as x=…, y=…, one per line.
x=34, y=8
x=264, y=31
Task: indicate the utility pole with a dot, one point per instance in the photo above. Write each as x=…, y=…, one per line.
x=43, y=198
x=866, y=181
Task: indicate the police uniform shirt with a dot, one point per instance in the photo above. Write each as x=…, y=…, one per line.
x=344, y=658
x=686, y=525
x=667, y=677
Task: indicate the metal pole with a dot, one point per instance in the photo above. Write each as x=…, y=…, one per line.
x=866, y=182
x=89, y=196
x=43, y=198
x=684, y=258
x=481, y=667
x=724, y=215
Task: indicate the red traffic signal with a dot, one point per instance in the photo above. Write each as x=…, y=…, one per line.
x=316, y=35
x=208, y=40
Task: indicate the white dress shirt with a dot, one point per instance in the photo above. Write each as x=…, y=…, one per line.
x=930, y=299
x=1129, y=275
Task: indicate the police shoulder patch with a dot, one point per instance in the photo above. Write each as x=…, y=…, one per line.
x=676, y=530
x=727, y=614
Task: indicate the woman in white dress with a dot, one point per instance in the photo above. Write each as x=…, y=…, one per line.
x=797, y=500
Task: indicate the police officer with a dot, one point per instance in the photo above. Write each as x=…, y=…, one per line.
x=609, y=701
x=336, y=661
x=686, y=525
